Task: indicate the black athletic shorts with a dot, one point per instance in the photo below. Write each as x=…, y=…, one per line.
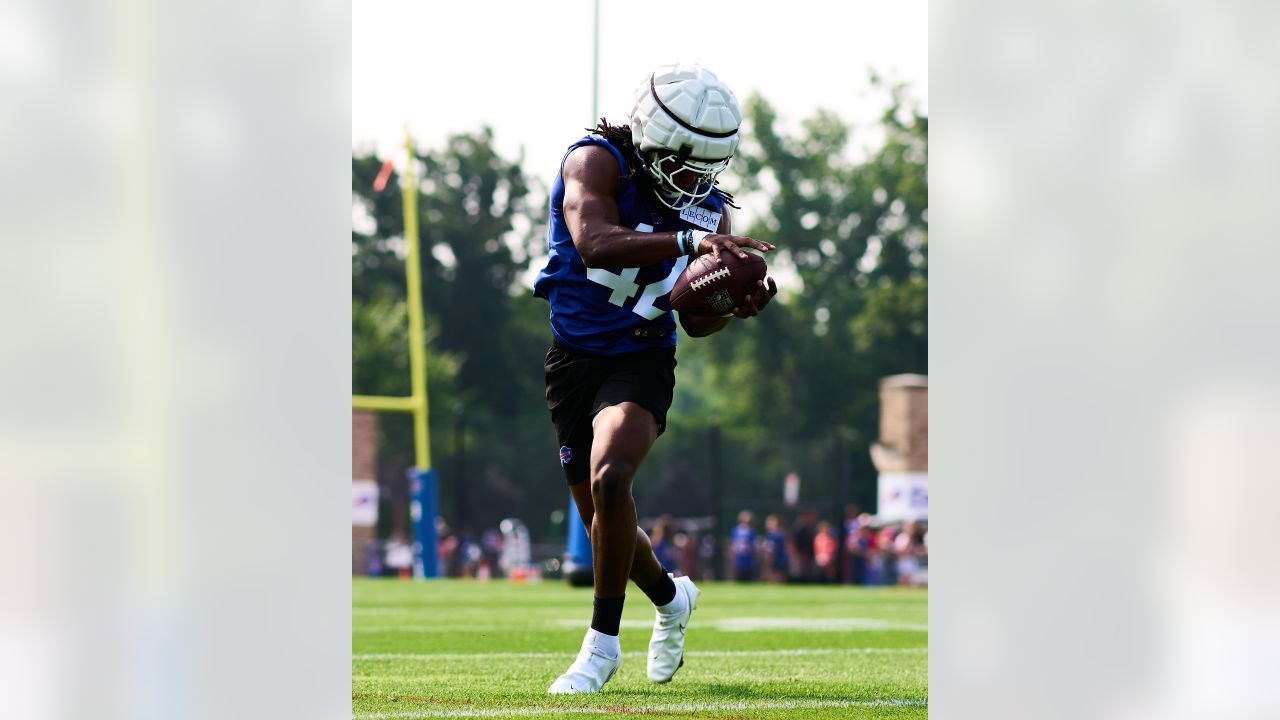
x=580, y=385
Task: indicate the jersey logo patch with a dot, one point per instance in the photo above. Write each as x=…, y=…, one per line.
x=702, y=217
x=566, y=454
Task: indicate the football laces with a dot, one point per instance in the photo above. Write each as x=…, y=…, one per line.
x=709, y=278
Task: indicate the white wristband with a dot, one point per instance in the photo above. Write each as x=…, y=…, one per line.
x=697, y=239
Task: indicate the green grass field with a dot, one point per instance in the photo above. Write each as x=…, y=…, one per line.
x=461, y=648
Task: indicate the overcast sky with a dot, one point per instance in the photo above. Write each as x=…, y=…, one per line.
x=525, y=68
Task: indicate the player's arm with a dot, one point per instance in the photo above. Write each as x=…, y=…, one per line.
x=591, y=214
x=703, y=325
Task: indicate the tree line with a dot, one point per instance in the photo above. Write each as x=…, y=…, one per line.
x=793, y=390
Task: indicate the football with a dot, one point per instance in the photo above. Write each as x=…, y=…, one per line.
x=714, y=286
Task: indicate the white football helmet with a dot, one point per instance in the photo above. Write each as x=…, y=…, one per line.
x=683, y=113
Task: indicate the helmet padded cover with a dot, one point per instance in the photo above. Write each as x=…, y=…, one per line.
x=698, y=98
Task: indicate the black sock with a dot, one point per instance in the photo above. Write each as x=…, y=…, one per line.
x=661, y=592
x=607, y=615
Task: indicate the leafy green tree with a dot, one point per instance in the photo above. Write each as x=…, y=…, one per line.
x=473, y=255
x=797, y=387
x=486, y=332
x=380, y=354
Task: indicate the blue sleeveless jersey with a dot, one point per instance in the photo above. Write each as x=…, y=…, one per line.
x=609, y=311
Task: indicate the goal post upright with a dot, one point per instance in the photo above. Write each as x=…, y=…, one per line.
x=423, y=486
x=417, y=343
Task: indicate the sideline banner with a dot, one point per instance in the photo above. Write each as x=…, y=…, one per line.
x=364, y=503
x=903, y=496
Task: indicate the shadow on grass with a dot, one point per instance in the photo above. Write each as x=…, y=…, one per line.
x=728, y=693
x=706, y=693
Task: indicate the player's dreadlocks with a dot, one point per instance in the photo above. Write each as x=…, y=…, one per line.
x=619, y=136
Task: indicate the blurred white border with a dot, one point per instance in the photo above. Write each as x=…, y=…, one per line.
x=1104, y=382
x=174, y=394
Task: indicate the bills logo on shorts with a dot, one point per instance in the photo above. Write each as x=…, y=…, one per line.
x=566, y=454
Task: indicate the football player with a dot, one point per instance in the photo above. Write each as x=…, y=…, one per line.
x=631, y=206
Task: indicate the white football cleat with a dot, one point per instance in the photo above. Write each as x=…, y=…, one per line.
x=590, y=671
x=666, y=647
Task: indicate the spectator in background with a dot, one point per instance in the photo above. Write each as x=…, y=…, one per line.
x=912, y=556
x=825, y=546
x=469, y=553
x=450, y=564
x=924, y=554
x=853, y=516
x=663, y=548
x=399, y=555
x=801, y=546
x=776, y=563
x=686, y=553
x=875, y=565
x=491, y=544
x=707, y=556
x=848, y=533
x=857, y=547
x=742, y=545
x=887, y=556
x=373, y=566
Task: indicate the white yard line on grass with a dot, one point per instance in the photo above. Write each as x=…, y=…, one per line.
x=761, y=624
x=616, y=709
x=443, y=628
x=730, y=624
x=757, y=624
x=701, y=653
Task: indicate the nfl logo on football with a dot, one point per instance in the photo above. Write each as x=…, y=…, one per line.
x=720, y=301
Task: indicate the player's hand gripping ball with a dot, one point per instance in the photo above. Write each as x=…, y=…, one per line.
x=714, y=286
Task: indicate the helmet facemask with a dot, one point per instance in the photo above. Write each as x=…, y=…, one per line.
x=670, y=185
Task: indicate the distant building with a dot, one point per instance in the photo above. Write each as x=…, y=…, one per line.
x=901, y=456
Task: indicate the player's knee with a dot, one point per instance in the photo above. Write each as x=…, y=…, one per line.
x=611, y=482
